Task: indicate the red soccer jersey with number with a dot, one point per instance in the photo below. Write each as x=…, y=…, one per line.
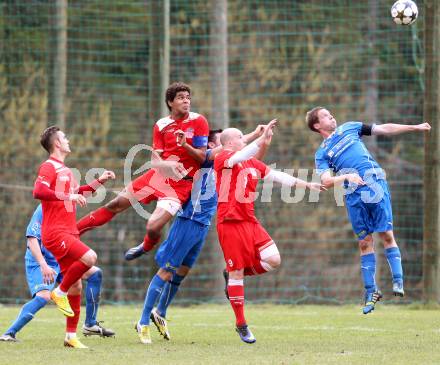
x=196, y=131
x=236, y=187
x=58, y=215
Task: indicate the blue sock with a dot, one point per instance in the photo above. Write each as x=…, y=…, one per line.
x=93, y=294
x=169, y=292
x=395, y=261
x=368, y=269
x=153, y=292
x=26, y=314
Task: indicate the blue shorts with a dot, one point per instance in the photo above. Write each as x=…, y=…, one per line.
x=369, y=209
x=35, y=278
x=183, y=244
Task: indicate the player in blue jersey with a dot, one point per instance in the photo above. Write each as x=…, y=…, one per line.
x=367, y=197
x=178, y=253
x=42, y=272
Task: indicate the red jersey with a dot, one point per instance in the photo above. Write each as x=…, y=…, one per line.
x=196, y=131
x=58, y=215
x=236, y=187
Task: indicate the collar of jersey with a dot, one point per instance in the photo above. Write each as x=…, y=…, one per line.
x=53, y=158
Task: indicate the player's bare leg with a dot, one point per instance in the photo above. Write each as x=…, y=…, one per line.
x=394, y=259
x=155, y=224
x=368, y=269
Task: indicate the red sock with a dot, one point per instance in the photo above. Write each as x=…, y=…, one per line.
x=255, y=269
x=75, y=304
x=94, y=219
x=236, y=298
x=73, y=274
x=150, y=243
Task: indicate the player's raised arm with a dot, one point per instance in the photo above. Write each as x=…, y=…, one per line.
x=250, y=137
x=391, y=129
x=95, y=184
x=258, y=132
x=233, y=137
x=265, y=145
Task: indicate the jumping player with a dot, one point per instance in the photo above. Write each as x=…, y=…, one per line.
x=367, y=197
x=247, y=247
x=172, y=192
x=179, y=252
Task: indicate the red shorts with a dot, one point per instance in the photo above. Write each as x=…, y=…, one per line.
x=154, y=186
x=67, y=248
x=241, y=243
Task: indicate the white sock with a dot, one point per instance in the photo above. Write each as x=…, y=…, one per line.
x=70, y=335
x=59, y=292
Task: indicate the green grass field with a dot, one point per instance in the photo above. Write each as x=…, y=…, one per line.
x=204, y=335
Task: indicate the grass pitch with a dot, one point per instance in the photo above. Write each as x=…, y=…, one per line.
x=205, y=335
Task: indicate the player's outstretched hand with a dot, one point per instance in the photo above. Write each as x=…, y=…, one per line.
x=423, y=127
x=259, y=130
x=79, y=199
x=316, y=187
x=107, y=175
x=268, y=130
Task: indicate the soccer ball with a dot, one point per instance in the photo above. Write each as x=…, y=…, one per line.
x=404, y=12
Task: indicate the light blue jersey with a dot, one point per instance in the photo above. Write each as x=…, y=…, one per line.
x=368, y=206
x=203, y=203
x=344, y=150
x=34, y=230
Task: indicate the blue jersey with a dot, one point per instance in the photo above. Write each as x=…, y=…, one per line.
x=203, y=203
x=345, y=152
x=34, y=230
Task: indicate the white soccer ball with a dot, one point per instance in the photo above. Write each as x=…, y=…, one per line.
x=404, y=12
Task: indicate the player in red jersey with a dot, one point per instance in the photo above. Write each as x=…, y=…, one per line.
x=59, y=193
x=247, y=248
x=180, y=160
